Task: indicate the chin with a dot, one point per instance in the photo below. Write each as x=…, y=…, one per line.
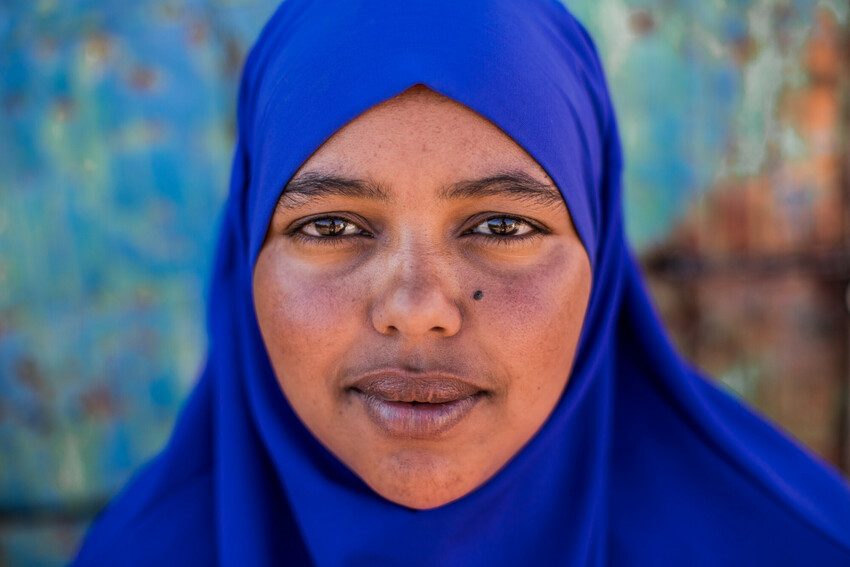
x=421, y=480
x=419, y=495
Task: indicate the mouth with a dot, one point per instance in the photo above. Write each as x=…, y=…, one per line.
x=416, y=405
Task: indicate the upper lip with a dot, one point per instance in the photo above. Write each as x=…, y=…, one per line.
x=423, y=387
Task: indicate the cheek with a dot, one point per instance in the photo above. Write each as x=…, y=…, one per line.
x=305, y=319
x=531, y=321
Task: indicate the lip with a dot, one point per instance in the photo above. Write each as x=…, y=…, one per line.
x=415, y=405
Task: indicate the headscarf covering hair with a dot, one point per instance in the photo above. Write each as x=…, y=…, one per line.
x=642, y=462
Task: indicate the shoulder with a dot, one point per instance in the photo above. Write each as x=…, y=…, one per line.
x=174, y=526
x=705, y=477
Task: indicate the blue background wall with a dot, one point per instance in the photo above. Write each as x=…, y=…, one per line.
x=116, y=129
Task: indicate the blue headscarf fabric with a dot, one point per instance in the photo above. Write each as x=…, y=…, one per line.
x=643, y=462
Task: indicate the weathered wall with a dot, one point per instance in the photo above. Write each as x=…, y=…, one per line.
x=735, y=122
x=116, y=126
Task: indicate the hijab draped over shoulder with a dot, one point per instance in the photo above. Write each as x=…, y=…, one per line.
x=642, y=462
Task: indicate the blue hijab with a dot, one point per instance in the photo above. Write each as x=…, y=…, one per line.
x=643, y=462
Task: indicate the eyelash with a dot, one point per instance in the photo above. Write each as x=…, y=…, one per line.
x=536, y=231
x=330, y=240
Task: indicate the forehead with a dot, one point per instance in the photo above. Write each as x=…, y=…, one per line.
x=421, y=135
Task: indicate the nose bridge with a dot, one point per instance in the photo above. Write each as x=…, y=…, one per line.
x=418, y=263
x=417, y=291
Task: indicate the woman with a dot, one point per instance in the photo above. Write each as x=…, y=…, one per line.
x=429, y=343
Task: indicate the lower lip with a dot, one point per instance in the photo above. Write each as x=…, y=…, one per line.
x=417, y=421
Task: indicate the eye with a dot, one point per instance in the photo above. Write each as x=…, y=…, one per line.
x=329, y=227
x=504, y=226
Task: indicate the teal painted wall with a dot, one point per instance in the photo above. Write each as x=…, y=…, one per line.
x=116, y=128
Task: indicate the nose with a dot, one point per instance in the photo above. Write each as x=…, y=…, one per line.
x=416, y=299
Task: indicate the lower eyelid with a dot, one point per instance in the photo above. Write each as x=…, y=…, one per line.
x=495, y=240
x=329, y=241
x=495, y=244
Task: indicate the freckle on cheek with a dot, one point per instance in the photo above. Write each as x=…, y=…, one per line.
x=315, y=306
x=530, y=294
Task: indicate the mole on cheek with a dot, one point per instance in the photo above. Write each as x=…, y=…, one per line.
x=478, y=295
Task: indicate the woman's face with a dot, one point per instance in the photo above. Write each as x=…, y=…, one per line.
x=420, y=293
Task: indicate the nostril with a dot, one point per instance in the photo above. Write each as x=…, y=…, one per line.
x=416, y=310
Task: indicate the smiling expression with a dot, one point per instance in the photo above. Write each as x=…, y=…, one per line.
x=420, y=293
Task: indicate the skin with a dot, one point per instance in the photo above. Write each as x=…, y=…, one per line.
x=395, y=291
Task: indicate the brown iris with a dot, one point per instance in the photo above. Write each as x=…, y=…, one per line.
x=503, y=225
x=330, y=226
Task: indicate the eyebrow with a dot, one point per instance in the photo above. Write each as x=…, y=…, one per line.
x=516, y=185
x=314, y=185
